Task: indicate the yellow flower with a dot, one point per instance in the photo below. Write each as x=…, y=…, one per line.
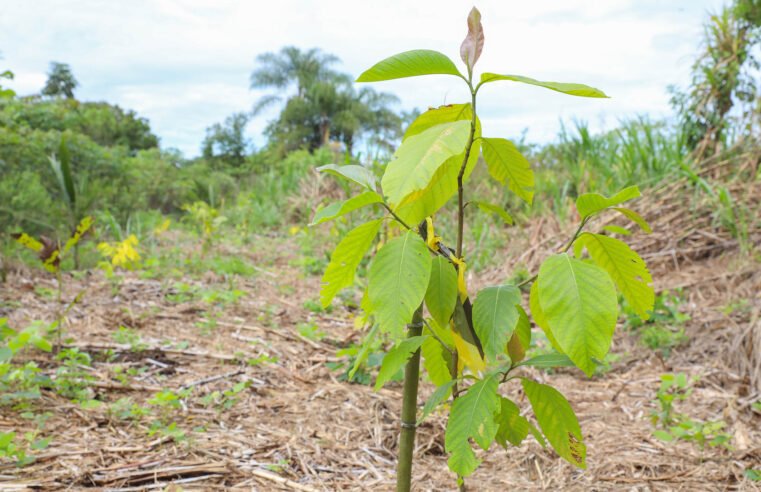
x=123, y=254
x=162, y=228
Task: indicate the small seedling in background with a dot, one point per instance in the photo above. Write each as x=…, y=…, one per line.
x=51, y=254
x=225, y=400
x=167, y=402
x=661, y=331
x=310, y=331
x=673, y=388
x=20, y=385
x=121, y=254
x=206, y=220
x=167, y=430
x=72, y=379
x=77, y=196
x=18, y=449
x=678, y=426
x=126, y=409
x=128, y=336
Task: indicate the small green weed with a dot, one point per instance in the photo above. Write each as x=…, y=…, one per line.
x=128, y=336
x=677, y=426
x=225, y=400
x=310, y=331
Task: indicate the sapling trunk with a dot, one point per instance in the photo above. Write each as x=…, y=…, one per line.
x=409, y=408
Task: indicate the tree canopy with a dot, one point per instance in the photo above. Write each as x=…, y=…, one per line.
x=61, y=81
x=325, y=107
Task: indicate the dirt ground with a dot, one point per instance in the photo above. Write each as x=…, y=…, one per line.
x=298, y=427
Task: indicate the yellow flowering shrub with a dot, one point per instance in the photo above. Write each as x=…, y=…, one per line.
x=123, y=254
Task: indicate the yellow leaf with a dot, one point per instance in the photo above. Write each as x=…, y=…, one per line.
x=468, y=355
x=461, y=285
x=28, y=241
x=162, y=228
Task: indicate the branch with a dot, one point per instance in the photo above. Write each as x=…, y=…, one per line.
x=451, y=351
x=563, y=250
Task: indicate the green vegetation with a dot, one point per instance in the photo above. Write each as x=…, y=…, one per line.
x=87, y=190
x=677, y=426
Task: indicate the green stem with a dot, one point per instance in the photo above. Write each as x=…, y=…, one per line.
x=59, y=311
x=461, y=222
x=461, y=174
x=409, y=408
x=575, y=235
x=564, y=250
x=436, y=336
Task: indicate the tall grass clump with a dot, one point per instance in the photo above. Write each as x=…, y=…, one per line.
x=640, y=151
x=274, y=196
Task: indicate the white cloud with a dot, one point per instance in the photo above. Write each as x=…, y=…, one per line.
x=184, y=64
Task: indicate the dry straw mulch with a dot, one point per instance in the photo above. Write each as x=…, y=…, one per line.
x=297, y=427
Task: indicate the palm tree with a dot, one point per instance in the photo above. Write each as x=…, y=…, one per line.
x=325, y=107
x=293, y=66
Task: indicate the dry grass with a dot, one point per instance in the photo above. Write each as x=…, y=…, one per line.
x=299, y=428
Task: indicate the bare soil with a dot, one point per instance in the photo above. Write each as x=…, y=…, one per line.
x=298, y=427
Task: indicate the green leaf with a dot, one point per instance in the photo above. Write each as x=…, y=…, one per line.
x=579, y=303
x=520, y=342
x=439, y=116
x=472, y=415
x=62, y=169
x=6, y=354
x=338, y=209
x=410, y=64
x=419, y=157
x=495, y=209
x=614, y=229
x=84, y=225
x=473, y=44
x=364, y=352
x=558, y=422
x=6, y=438
x=523, y=328
x=537, y=435
x=345, y=259
x=513, y=428
x=436, y=399
x=28, y=241
x=625, y=267
x=436, y=360
x=443, y=186
x=41, y=343
x=356, y=174
x=442, y=331
x=441, y=295
x=636, y=218
x=590, y=203
x=566, y=88
x=538, y=314
x=396, y=358
x=42, y=443
x=494, y=317
x=505, y=162
x=548, y=361
x=397, y=281
x=663, y=435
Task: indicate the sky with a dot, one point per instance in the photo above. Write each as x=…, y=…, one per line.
x=185, y=64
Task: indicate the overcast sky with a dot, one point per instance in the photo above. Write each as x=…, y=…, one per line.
x=185, y=64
